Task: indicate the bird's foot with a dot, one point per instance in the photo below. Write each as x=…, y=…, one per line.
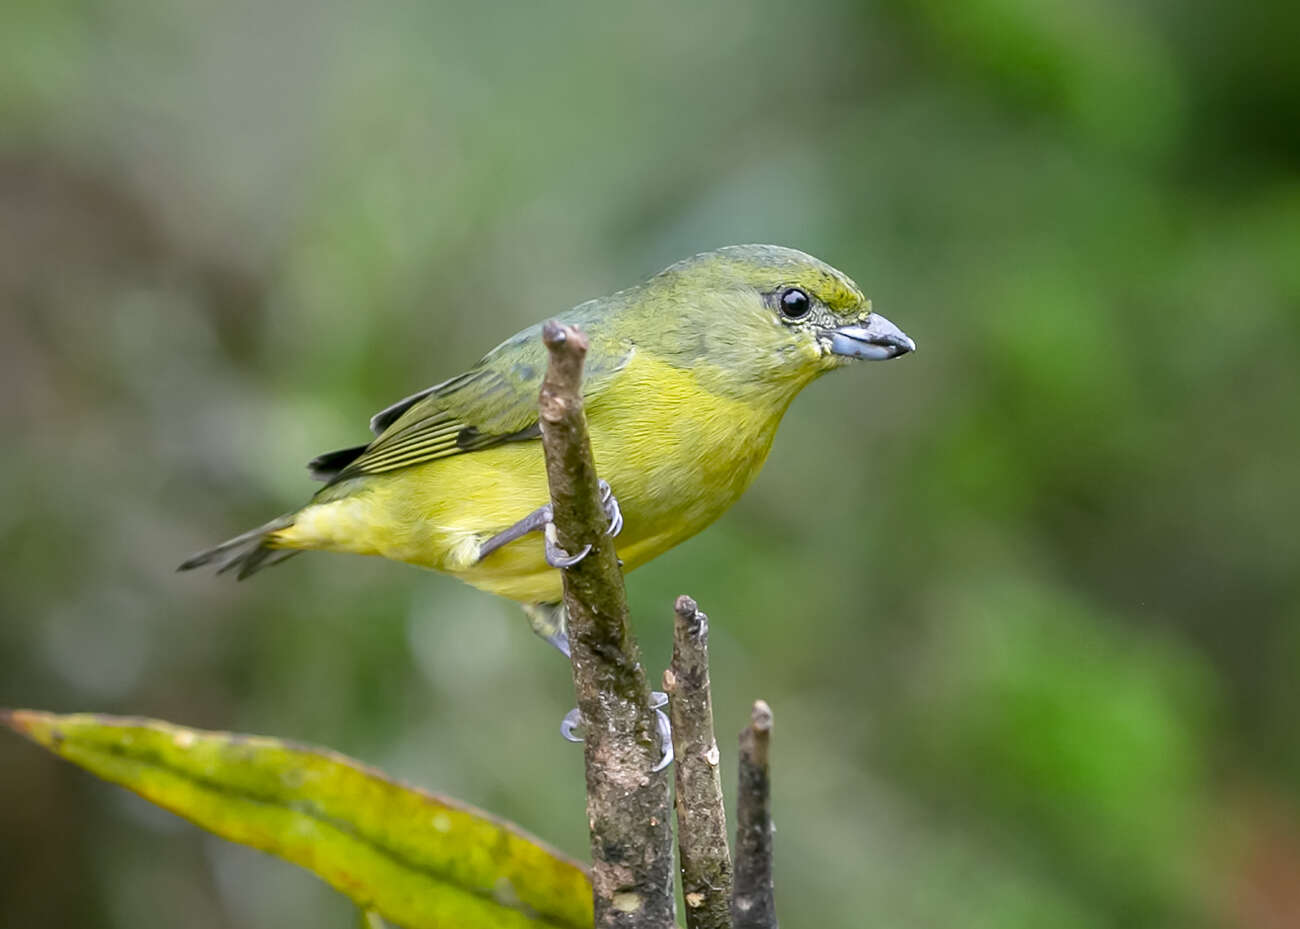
x=557, y=557
x=543, y=519
x=573, y=721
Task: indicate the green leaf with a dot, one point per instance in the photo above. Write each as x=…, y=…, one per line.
x=422, y=861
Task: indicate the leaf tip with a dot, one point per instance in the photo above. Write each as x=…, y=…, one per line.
x=33, y=724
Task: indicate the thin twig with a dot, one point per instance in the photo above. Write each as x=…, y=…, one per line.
x=627, y=805
x=701, y=820
x=753, y=907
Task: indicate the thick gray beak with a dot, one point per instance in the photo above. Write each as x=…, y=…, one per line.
x=878, y=340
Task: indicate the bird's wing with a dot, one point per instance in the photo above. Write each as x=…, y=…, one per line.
x=493, y=402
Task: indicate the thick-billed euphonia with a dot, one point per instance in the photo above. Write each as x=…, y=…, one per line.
x=687, y=376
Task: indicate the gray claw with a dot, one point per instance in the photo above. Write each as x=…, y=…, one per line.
x=612, y=510
x=557, y=557
x=665, y=737
x=569, y=725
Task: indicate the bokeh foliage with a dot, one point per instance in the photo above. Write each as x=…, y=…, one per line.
x=1026, y=602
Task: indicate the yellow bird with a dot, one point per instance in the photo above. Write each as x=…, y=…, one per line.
x=687, y=377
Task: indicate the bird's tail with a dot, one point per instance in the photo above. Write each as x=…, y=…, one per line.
x=249, y=553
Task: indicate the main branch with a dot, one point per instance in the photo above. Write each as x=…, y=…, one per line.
x=627, y=804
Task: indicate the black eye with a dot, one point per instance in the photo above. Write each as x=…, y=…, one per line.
x=795, y=303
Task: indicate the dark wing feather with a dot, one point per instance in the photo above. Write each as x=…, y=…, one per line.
x=391, y=414
x=326, y=466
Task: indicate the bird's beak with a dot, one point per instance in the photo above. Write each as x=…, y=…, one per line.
x=877, y=340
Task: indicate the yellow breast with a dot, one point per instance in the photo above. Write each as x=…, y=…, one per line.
x=676, y=455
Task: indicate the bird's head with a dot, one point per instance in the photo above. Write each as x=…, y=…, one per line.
x=765, y=317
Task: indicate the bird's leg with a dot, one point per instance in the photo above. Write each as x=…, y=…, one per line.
x=541, y=519
x=548, y=620
x=536, y=521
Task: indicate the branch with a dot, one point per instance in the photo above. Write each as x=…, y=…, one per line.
x=627, y=805
x=701, y=820
x=753, y=907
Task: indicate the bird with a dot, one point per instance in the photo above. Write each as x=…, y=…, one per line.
x=687, y=378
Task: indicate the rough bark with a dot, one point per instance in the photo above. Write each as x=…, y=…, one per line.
x=627, y=805
x=701, y=820
x=752, y=906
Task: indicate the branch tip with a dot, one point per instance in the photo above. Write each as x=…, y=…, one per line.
x=701, y=822
x=690, y=617
x=558, y=337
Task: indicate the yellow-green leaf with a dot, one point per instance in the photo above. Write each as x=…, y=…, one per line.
x=422, y=861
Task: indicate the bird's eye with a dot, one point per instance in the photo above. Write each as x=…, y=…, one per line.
x=795, y=303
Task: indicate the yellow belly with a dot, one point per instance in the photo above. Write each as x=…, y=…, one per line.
x=676, y=456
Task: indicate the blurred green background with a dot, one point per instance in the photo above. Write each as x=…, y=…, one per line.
x=1026, y=603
